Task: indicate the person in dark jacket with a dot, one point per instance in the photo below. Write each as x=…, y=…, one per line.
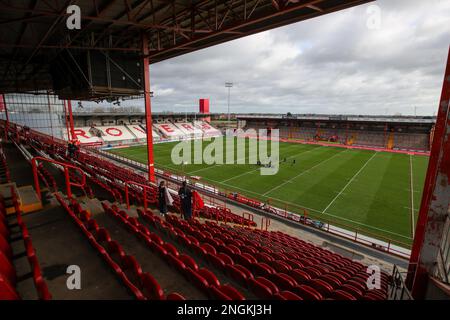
x=71, y=149
x=162, y=199
x=186, y=200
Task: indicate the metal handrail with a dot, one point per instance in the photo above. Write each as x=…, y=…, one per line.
x=399, y=291
x=144, y=191
x=66, y=167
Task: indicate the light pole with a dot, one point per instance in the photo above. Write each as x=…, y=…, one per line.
x=228, y=85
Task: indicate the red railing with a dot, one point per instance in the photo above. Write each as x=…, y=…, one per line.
x=66, y=167
x=247, y=217
x=265, y=223
x=144, y=192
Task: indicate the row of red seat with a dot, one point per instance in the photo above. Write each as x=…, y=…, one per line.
x=318, y=273
x=223, y=257
x=224, y=215
x=142, y=285
x=312, y=263
x=114, y=178
x=8, y=277
x=202, y=278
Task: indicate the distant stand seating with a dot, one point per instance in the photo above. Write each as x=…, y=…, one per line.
x=126, y=134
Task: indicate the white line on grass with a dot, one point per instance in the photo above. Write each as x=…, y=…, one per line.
x=348, y=183
x=293, y=156
x=302, y=173
x=318, y=211
x=411, y=178
x=221, y=164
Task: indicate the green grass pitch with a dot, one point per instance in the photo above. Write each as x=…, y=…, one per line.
x=376, y=193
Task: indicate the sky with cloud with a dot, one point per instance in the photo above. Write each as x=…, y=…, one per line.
x=339, y=63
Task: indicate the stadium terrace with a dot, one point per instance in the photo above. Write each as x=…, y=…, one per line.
x=94, y=205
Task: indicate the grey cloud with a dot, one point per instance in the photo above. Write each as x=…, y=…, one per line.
x=330, y=64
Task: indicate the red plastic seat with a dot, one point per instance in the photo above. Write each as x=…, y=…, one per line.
x=7, y=291
x=262, y=269
x=342, y=295
x=287, y=295
x=374, y=296
x=171, y=249
x=188, y=261
x=92, y=226
x=115, y=250
x=321, y=286
x=5, y=247
x=131, y=268
x=215, y=261
x=244, y=260
x=263, y=288
x=217, y=294
x=226, y=258
x=200, y=282
x=232, y=292
x=239, y=274
x=208, y=248
x=176, y=263
x=307, y=293
x=281, y=266
x=183, y=240
x=331, y=280
x=209, y=277
x=156, y=239
x=4, y=231
x=175, y=296
x=7, y=269
x=357, y=293
x=283, y=281
x=102, y=235
x=264, y=257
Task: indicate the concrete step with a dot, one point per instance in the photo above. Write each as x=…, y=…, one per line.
x=28, y=199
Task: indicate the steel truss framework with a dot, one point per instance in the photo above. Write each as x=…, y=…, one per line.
x=34, y=32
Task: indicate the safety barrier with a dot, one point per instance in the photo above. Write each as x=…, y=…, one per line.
x=66, y=167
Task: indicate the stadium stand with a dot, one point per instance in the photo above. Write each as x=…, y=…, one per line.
x=127, y=134
x=85, y=136
x=116, y=134
x=391, y=133
x=139, y=132
x=169, y=130
x=208, y=130
x=189, y=129
x=230, y=260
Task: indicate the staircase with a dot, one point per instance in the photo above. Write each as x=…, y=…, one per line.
x=390, y=143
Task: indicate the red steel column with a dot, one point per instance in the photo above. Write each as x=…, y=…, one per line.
x=7, y=117
x=72, y=130
x=66, y=120
x=148, y=109
x=435, y=200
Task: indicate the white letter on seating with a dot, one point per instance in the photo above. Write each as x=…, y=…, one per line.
x=74, y=280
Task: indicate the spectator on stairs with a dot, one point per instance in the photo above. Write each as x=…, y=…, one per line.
x=186, y=200
x=164, y=198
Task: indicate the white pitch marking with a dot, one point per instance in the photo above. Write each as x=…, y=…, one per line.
x=302, y=173
x=348, y=183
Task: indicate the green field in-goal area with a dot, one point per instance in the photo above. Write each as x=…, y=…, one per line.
x=377, y=193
